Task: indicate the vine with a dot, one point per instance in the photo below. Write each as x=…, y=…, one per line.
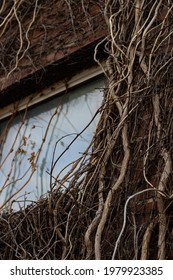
x=95, y=217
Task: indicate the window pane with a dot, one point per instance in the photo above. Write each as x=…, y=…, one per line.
x=25, y=136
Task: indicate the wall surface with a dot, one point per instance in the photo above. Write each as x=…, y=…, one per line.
x=36, y=34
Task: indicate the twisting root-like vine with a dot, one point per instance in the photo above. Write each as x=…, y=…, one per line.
x=14, y=13
x=137, y=44
x=95, y=217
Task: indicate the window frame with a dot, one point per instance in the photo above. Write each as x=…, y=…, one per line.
x=55, y=89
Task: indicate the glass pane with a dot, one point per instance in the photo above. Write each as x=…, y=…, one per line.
x=46, y=130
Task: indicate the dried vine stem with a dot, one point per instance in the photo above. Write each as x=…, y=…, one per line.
x=122, y=67
x=33, y=161
x=19, y=56
x=131, y=152
x=162, y=183
x=124, y=221
x=11, y=12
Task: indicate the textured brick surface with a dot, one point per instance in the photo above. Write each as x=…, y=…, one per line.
x=61, y=28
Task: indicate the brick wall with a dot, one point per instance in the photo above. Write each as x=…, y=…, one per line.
x=61, y=28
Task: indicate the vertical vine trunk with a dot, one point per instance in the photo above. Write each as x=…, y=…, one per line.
x=137, y=151
x=119, y=205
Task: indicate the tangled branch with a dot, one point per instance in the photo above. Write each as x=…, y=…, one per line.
x=131, y=155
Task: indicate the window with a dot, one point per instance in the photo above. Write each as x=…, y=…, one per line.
x=45, y=131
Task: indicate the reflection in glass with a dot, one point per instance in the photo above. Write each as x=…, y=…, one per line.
x=25, y=134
